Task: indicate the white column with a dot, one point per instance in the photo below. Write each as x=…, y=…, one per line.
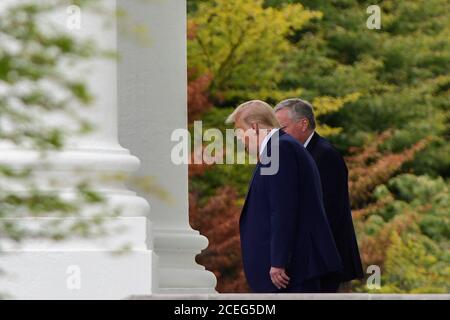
x=153, y=103
x=44, y=270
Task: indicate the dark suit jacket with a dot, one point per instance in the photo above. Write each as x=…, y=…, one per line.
x=283, y=222
x=334, y=179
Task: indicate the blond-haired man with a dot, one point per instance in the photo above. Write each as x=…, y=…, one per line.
x=286, y=242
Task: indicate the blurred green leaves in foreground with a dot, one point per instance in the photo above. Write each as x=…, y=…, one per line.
x=42, y=97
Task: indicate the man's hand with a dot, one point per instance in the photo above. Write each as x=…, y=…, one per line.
x=279, y=277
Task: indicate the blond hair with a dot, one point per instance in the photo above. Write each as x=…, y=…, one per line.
x=255, y=111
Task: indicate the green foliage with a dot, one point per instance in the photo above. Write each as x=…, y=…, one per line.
x=237, y=176
x=242, y=44
x=401, y=72
x=362, y=82
x=213, y=178
x=416, y=264
x=415, y=217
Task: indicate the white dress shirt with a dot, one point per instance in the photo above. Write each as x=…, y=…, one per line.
x=308, y=140
x=266, y=140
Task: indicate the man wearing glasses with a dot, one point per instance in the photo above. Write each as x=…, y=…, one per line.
x=296, y=117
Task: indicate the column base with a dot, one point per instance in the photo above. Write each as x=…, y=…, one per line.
x=185, y=281
x=178, y=272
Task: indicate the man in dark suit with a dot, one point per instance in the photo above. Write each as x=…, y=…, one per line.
x=286, y=241
x=296, y=116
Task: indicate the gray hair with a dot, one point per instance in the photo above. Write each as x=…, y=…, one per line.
x=298, y=109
